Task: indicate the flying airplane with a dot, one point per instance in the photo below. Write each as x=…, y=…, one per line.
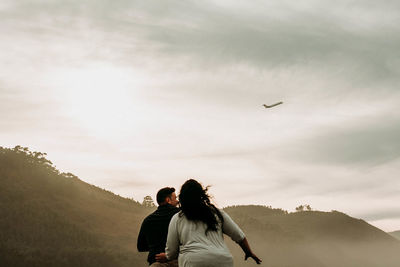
x=270, y=106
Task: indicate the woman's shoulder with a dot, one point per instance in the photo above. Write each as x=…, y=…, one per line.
x=226, y=218
x=178, y=216
x=219, y=212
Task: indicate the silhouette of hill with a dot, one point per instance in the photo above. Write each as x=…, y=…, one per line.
x=395, y=234
x=48, y=218
x=313, y=238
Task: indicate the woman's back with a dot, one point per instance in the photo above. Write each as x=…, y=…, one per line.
x=195, y=234
x=197, y=247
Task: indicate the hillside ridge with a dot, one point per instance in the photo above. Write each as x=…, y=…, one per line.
x=49, y=218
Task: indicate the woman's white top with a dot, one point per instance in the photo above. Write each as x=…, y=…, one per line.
x=187, y=240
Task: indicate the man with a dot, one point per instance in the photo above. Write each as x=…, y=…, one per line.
x=154, y=230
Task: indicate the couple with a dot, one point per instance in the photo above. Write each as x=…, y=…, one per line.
x=191, y=236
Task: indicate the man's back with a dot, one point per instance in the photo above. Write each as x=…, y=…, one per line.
x=154, y=231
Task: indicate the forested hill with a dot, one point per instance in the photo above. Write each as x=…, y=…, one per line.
x=48, y=218
x=313, y=238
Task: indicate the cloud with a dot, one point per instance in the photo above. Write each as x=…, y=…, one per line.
x=197, y=76
x=273, y=35
x=372, y=143
x=382, y=214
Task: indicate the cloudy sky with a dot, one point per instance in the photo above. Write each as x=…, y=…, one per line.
x=135, y=95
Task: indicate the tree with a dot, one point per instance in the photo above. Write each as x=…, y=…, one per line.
x=300, y=208
x=148, y=202
x=303, y=208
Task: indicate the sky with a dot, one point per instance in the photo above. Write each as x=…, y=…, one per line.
x=133, y=96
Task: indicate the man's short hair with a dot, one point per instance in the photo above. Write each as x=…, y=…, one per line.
x=163, y=193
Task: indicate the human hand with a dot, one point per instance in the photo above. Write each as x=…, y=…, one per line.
x=254, y=257
x=161, y=257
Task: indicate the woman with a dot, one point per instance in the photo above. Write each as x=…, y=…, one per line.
x=196, y=232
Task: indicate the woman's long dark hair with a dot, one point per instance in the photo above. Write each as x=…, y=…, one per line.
x=196, y=205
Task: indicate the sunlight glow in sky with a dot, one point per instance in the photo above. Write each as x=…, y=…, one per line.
x=133, y=96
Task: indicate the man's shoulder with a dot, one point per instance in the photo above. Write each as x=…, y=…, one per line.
x=175, y=210
x=165, y=210
x=150, y=216
x=157, y=213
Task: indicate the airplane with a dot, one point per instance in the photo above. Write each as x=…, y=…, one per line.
x=270, y=106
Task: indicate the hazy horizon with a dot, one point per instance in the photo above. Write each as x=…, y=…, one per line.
x=132, y=96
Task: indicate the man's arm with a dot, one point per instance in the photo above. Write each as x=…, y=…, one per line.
x=172, y=246
x=142, y=245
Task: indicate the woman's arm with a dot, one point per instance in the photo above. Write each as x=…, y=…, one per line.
x=231, y=229
x=247, y=251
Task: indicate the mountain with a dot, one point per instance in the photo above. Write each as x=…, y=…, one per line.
x=395, y=234
x=313, y=238
x=48, y=218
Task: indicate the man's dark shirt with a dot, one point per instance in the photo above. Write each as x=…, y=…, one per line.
x=154, y=230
